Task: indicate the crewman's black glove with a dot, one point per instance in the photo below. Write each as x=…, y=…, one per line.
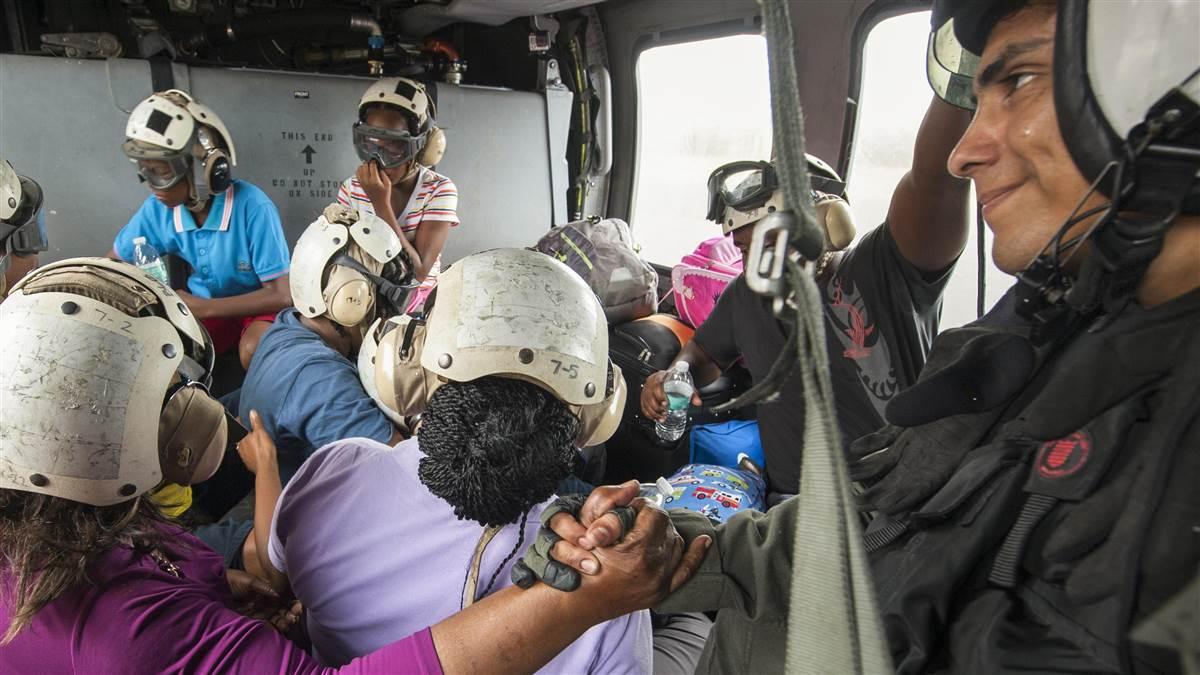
x=538, y=564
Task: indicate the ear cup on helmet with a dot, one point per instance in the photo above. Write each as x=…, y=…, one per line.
x=191, y=436
x=349, y=296
x=599, y=421
x=434, y=149
x=838, y=219
x=403, y=384
x=218, y=171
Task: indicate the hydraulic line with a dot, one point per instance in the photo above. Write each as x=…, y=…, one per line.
x=273, y=24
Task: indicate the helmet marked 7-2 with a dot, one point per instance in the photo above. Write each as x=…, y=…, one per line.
x=91, y=346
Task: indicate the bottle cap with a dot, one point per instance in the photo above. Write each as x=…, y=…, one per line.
x=681, y=366
x=139, y=240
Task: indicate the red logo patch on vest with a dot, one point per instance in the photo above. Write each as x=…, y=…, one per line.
x=1061, y=458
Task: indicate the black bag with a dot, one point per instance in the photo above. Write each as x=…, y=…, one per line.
x=642, y=348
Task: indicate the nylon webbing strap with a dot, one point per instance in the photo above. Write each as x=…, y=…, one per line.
x=472, y=584
x=833, y=621
x=162, y=77
x=877, y=540
x=1007, y=565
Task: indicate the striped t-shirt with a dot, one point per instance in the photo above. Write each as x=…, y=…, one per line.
x=434, y=199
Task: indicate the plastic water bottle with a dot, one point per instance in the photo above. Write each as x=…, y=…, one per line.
x=149, y=261
x=679, y=388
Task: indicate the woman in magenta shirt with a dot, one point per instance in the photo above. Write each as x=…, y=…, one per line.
x=139, y=615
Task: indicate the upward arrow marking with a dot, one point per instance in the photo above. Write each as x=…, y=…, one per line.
x=308, y=152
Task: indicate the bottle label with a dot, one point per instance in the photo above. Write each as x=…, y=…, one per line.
x=157, y=270
x=678, y=401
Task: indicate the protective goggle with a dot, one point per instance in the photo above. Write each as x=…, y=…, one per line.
x=740, y=185
x=157, y=167
x=162, y=174
x=747, y=185
x=24, y=233
x=389, y=147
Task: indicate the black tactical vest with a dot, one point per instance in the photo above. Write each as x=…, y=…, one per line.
x=1035, y=527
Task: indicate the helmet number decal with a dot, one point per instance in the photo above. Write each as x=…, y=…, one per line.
x=572, y=371
x=126, y=326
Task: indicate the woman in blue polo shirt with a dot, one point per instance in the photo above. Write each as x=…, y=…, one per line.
x=227, y=230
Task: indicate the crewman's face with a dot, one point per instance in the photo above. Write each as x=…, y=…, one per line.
x=1013, y=150
x=742, y=238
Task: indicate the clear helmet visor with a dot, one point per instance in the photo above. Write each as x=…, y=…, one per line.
x=950, y=68
x=390, y=147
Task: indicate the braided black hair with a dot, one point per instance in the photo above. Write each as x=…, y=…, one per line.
x=495, y=447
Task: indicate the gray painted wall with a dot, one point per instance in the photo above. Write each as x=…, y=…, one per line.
x=60, y=124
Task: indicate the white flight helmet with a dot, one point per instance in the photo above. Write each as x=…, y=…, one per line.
x=345, y=263
x=393, y=147
x=93, y=348
x=368, y=355
x=509, y=313
x=22, y=225
x=744, y=192
x=174, y=128
x=833, y=213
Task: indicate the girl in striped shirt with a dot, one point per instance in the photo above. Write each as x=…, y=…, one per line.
x=397, y=141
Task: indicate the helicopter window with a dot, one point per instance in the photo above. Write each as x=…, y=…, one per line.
x=892, y=101
x=701, y=104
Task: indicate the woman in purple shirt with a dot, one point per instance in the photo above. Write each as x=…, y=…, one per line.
x=96, y=580
x=379, y=541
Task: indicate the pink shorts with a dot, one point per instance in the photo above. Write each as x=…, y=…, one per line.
x=416, y=302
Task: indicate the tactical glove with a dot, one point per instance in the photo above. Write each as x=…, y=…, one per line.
x=538, y=564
